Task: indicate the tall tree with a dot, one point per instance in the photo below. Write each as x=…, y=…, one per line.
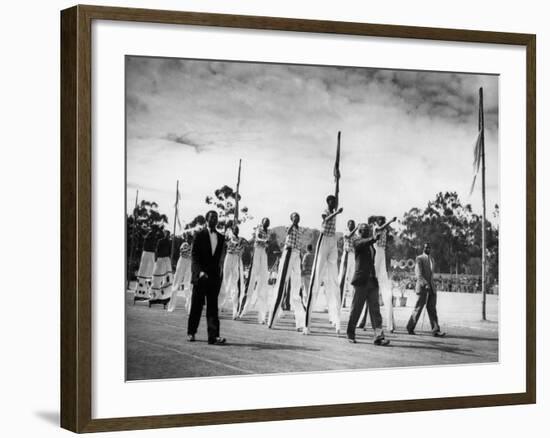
x=453, y=230
x=147, y=215
x=224, y=201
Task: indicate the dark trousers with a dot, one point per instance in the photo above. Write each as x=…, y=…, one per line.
x=363, y=323
x=427, y=298
x=365, y=293
x=205, y=290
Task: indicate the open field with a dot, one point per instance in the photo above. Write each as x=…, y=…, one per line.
x=157, y=346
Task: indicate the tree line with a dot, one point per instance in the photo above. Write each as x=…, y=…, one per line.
x=451, y=227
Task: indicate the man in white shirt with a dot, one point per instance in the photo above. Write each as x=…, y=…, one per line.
x=206, y=276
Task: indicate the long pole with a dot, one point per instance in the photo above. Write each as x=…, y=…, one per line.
x=337, y=171
x=175, y=219
x=133, y=241
x=236, y=214
x=483, y=226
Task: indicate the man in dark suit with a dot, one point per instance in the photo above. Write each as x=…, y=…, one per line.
x=206, y=277
x=365, y=286
x=426, y=293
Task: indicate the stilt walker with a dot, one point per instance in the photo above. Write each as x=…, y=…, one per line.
x=232, y=288
x=146, y=265
x=325, y=266
x=233, y=279
x=172, y=303
x=161, y=287
x=347, y=264
x=290, y=270
x=182, y=277
x=256, y=291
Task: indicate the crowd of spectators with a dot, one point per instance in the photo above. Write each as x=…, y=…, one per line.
x=449, y=283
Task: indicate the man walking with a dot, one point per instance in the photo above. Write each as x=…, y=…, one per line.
x=325, y=267
x=426, y=293
x=366, y=287
x=206, y=272
x=289, y=271
x=256, y=293
x=381, y=228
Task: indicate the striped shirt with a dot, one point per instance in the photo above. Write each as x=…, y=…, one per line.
x=329, y=226
x=235, y=245
x=294, y=238
x=348, y=242
x=185, y=250
x=382, y=240
x=261, y=237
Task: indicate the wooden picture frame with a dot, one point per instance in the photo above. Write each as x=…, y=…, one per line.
x=76, y=217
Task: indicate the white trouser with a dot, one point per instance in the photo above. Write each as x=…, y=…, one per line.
x=325, y=270
x=232, y=283
x=289, y=269
x=144, y=274
x=345, y=275
x=257, y=293
x=384, y=284
x=162, y=279
x=181, y=277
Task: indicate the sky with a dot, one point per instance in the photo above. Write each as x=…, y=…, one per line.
x=406, y=135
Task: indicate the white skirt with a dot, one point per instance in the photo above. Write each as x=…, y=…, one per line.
x=161, y=287
x=144, y=275
x=181, y=277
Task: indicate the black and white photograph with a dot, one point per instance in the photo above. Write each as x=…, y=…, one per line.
x=287, y=218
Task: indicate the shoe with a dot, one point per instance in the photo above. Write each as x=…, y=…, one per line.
x=217, y=341
x=439, y=334
x=299, y=329
x=382, y=341
x=305, y=331
x=190, y=338
x=352, y=341
x=411, y=332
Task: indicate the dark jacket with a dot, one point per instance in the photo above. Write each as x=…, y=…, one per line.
x=150, y=241
x=364, y=261
x=424, y=274
x=202, y=259
x=164, y=247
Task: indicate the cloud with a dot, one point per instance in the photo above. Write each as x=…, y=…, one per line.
x=185, y=139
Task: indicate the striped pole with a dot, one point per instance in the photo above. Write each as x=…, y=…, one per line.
x=313, y=278
x=343, y=276
x=281, y=282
